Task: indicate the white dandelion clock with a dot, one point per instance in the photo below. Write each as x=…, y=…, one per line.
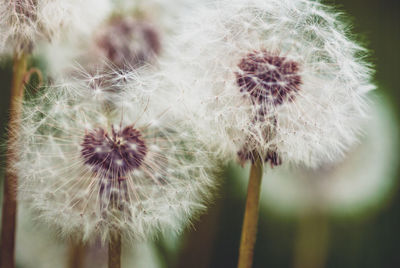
x=269, y=81
x=126, y=41
x=165, y=14
x=360, y=182
x=112, y=57
x=89, y=170
x=24, y=23
x=280, y=79
x=132, y=36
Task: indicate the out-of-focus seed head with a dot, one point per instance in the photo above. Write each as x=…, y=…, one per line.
x=131, y=36
x=25, y=10
x=127, y=42
x=26, y=23
x=22, y=14
x=122, y=43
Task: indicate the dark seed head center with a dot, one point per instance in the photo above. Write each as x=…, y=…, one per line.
x=128, y=42
x=114, y=154
x=25, y=9
x=268, y=78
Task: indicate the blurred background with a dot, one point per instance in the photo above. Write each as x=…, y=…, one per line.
x=289, y=236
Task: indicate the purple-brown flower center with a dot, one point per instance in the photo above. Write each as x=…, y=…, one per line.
x=127, y=42
x=114, y=155
x=25, y=9
x=267, y=78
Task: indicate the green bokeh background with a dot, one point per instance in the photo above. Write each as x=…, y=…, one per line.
x=370, y=240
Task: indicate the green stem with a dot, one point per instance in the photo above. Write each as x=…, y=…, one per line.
x=249, y=229
x=11, y=181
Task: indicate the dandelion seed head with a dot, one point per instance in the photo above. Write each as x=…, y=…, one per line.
x=132, y=34
x=278, y=79
x=124, y=41
x=113, y=153
x=268, y=79
x=82, y=166
x=25, y=23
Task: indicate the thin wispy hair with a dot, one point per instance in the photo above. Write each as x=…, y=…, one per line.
x=327, y=80
x=64, y=183
x=25, y=23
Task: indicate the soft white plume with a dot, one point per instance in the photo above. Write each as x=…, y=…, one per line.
x=24, y=23
x=133, y=35
x=278, y=78
x=88, y=165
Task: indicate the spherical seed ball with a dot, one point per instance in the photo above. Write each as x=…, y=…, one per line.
x=87, y=170
x=109, y=54
x=132, y=35
x=126, y=42
x=25, y=23
x=278, y=79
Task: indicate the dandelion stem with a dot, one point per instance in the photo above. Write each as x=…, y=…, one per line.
x=249, y=229
x=9, y=212
x=114, y=243
x=76, y=255
x=114, y=250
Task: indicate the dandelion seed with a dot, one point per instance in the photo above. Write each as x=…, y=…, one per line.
x=275, y=79
x=268, y=81
x=23, y=23
x=88, y=176
x=126, y=42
